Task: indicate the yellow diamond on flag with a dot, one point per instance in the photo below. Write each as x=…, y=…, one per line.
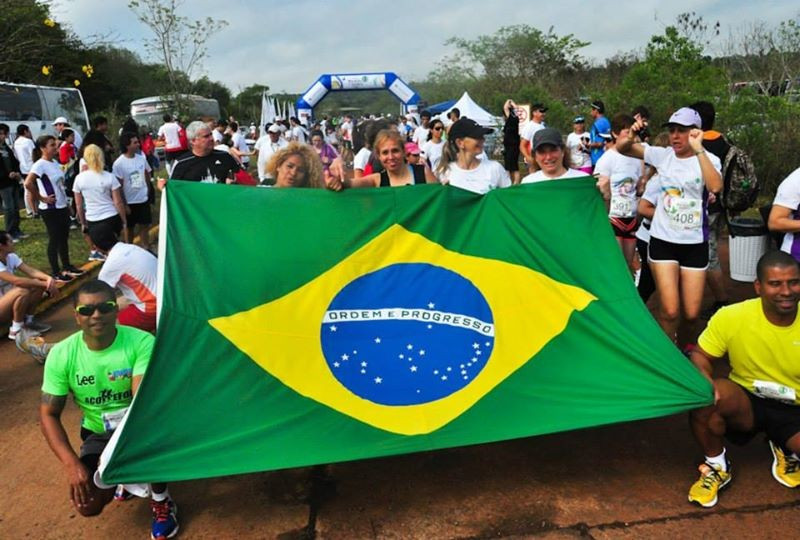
x=404, y=334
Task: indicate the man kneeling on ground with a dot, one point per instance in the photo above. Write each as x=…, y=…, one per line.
x=102, y=365
x=761, y=338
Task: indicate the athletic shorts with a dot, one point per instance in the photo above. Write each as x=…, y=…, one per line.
x=92, y=446
x=690, y=256
x=133, y=316
x=140, y=214
x=624, y=227
x=779, y=421
x=511, y=159
x=114, y=222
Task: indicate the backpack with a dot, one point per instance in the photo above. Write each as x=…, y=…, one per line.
x=740, y=184
x=72, y=171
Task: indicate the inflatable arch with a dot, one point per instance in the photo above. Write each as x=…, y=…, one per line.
x=355, y=81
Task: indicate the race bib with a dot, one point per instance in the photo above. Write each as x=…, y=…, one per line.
x=685, y=214
x=773, y=390
x=621, y=206
x=137, y=180
x=112, y=419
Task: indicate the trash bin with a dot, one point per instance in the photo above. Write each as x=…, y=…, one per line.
x=749, y=240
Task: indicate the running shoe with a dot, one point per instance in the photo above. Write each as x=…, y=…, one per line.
x=785, y=469
x=12, y=334
x=37, y=327
x=96, y=256
x=74, y=272
x=712, y=480
x=62, y=277
x=33, y=344
x=165, y=521
x=121, y=494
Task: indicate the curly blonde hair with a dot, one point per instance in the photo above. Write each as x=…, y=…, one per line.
x=307, y=154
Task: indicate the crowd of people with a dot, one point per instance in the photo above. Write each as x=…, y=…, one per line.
x=662, y=192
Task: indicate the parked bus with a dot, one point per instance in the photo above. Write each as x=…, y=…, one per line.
x=149, y=111
x=37, y=107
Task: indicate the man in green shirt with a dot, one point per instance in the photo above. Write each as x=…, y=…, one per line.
x=102, y=365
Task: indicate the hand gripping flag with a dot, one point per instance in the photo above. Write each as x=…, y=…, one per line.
x=301, y=327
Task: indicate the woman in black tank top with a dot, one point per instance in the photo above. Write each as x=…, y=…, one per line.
x=390, y=149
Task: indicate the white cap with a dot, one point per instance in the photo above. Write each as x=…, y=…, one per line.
x=274, y=128
x=60, y=120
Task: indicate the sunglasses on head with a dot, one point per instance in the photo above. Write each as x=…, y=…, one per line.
x=437, y=128
x=88, y=309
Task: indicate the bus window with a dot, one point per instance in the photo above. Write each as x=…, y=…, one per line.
x=67, y=103
x=19, y=104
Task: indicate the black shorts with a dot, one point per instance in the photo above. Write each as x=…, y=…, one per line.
x=114, y=222
x=624, y=227
x=511, y=159
x=690, y=256
x=172, y=155
x=92, y=446
x=140, y=214
x=779, y=421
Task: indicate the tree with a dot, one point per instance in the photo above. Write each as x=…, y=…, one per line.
x=518, y=55
x=180, y=43
x=213, y=89
x=673, y=73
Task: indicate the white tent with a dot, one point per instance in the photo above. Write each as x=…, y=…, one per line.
x=472, y=110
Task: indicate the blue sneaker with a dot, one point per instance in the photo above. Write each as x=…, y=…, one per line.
x=165, y=521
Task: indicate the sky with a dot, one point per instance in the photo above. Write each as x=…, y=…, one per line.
x=288, y=44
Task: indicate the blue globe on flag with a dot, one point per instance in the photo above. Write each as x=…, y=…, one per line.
x=407, y=334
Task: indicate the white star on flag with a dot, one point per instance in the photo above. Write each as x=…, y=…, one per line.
x=413, y=368
x=363, y=364
x=444, y=377
x=345, y=357
x=377, y=340
x=422, y=352
x=333, y=328
x=336, y=364
x=378, y=380
x=431, y=305
x=409, y=346
x=476, y=346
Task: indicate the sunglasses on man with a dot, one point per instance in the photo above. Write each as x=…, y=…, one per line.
x=88, y=310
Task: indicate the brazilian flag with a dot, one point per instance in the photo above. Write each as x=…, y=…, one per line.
x=299, y=327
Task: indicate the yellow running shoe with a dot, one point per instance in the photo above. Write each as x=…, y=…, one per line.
x=712, y=480
x=785, y=469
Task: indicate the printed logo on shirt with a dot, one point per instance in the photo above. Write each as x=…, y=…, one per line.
x=120, y=374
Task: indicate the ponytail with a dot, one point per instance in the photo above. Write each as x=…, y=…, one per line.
x=449, y=155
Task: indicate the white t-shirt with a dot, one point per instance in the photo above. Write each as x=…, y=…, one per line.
x=50, y=181
x=530, y=129
x=240, y=144
x=218, y=136
x=623, y=173
x=131, y=173
x=488, y=175
x=433, y=152
x=539, y=176
x=23, y=151
x=788, y=196
x=347, y=131
x=361, y=158
x=170, y=131
x=298, y=134
x=420, y=135
x=681, y=215
x=578, y=158
x=133, y=271
x=96, y=191
x=266, y=148
x=12, y=263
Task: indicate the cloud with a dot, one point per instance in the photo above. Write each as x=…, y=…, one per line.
x=288, y=44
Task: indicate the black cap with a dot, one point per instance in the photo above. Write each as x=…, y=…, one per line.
x=538, y=107
x=544, y=136
x=466, y=127
x=599, y=105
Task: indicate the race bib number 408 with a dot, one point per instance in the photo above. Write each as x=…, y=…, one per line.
x=685, y=214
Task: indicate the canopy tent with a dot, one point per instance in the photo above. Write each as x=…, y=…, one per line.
x=436, y=108
x=472, y=110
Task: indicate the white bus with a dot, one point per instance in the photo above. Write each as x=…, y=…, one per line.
x=37, y=107
x=149, y=111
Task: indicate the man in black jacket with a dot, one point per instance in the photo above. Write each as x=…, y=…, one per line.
x=9, y=185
